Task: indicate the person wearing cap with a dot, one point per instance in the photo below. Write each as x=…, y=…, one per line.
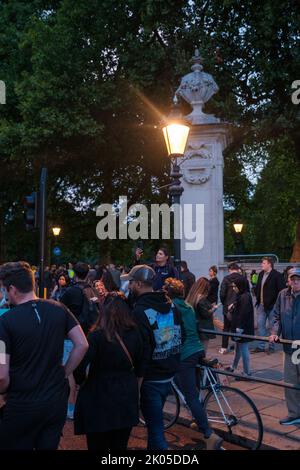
x=161, y=328
x=286, y=324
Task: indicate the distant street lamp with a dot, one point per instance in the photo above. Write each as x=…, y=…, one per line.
x=238, y=238
x=176, y=132
x=238, y=227
x=56, y=231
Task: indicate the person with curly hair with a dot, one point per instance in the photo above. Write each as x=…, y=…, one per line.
x=192, y=352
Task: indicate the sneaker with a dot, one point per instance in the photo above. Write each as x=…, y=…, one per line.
x=289, y=421
x=223, y=351
x=213, y=442
x=229, y=369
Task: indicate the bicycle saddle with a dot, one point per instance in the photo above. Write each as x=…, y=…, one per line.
x=208, y=362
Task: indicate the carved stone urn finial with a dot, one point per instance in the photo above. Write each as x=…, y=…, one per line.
x=196, y=88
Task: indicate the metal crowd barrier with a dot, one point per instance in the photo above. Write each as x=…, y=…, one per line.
x=252, y=378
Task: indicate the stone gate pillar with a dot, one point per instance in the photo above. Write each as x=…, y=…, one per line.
x=202, y=169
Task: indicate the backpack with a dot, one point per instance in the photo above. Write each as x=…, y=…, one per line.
x=90, y=308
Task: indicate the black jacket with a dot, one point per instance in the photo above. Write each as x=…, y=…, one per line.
x=273, y=285
x=213, y=290
x=109, y=398
x=161, y=327
x=243, y=313
x=204, y=316
x=227, y=294
x=188, y=280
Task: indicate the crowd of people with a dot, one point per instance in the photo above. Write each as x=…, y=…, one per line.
x=108, y=341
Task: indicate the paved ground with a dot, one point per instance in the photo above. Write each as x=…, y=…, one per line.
x=269, y=400
x=179, y=437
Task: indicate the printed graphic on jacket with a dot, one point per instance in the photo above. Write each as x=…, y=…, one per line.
x=167, y=335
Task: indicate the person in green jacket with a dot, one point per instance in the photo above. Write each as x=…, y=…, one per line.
x=191, y=353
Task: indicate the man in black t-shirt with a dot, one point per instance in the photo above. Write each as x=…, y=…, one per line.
x=33, y=382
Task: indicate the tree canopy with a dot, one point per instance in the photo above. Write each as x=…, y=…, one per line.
x=88, y=82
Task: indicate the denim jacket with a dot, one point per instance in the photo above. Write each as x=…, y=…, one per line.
x=286, y=320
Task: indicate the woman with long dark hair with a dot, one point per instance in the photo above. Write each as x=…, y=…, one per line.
x=62, y=283
x=108, y=282
x=107, y=405
x=204, y=310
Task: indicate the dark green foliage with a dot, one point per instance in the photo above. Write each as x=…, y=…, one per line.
x=80, y=77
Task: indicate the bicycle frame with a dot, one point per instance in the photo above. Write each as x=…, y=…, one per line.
x=208, y=376
x=208, y=381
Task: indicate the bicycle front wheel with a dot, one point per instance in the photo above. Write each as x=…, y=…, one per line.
x=171, y=410
x=234, y=416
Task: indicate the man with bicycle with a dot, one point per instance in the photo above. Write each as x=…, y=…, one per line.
x=160, y=325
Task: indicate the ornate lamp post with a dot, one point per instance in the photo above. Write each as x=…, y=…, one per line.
x=176, y=132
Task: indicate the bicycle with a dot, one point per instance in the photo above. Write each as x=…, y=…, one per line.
x=231, y=412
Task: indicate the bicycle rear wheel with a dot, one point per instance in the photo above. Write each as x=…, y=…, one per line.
x=241, y=423
x=171, y=410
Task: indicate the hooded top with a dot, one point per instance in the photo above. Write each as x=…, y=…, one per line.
x=227, y=294
x=243, y=314
x=192, y=343
x=161, y=327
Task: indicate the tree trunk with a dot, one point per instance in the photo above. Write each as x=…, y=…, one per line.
x=295, y=258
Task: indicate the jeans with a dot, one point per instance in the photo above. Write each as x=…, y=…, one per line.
x=153, y=397
x=242, y=349
x=226, y=328
x=186, y=381
x=264, y=316
x=292, y=397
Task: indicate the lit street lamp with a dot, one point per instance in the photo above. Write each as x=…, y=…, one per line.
x=238, y=227
x=176, y=132
x=56, y=231
x=56, y=250
x=239, y=243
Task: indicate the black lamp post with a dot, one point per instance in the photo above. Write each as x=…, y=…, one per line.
x=176, y=132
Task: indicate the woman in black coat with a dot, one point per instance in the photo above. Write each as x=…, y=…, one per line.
x=242, y=322
x=107, y=406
